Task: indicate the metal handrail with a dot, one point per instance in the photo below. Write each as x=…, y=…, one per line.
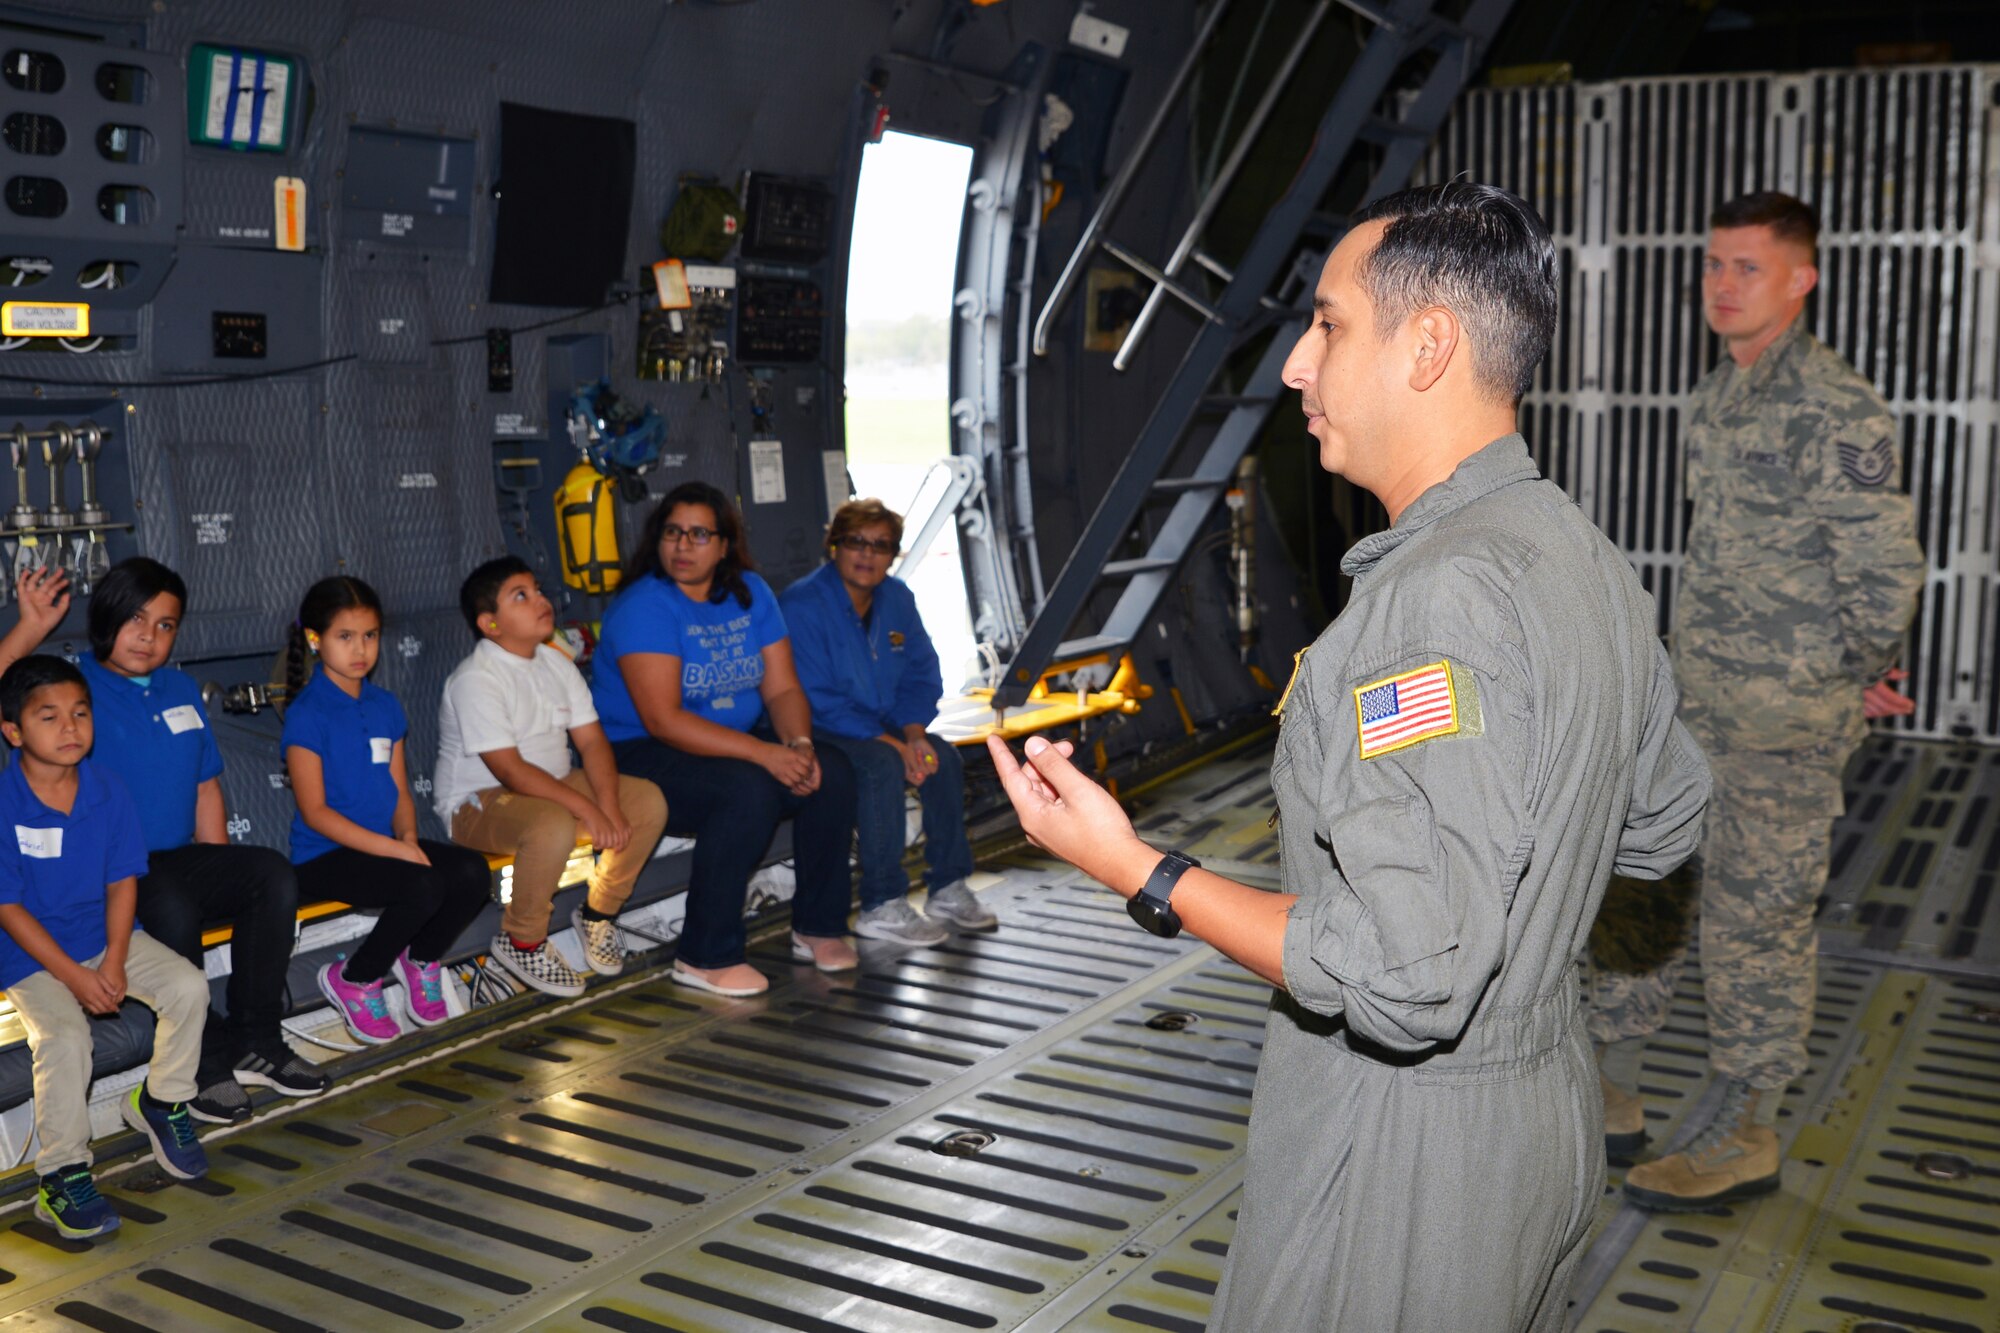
x=1205, y=210
x=1114, y=194
x=960, y=473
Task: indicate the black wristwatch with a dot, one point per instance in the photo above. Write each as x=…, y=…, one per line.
x=1150, y=906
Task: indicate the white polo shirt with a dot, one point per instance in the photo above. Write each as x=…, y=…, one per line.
x=495, y=700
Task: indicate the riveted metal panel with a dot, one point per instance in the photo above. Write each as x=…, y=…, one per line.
x=1903, y=167
x=225, y=477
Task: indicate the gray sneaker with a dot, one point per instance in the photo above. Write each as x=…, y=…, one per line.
x=958, y=906
x=901, y=923
x=603, y=943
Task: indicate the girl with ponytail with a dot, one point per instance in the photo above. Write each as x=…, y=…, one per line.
x=354, y=838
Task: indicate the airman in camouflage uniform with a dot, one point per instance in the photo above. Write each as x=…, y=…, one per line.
x=1796, y=589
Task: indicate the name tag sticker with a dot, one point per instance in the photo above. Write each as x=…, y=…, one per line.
x=182, y=717
x=380, y=748
x=44, y=844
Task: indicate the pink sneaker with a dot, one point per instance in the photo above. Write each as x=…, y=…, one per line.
x=361, y=1007
x=423, y=990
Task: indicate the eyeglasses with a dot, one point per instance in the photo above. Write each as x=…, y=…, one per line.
x=858, y=544
x=672, y=533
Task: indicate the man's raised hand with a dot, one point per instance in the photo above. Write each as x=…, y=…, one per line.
x=1061, y=809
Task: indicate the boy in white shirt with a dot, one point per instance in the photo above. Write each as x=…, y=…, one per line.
x=506, y=786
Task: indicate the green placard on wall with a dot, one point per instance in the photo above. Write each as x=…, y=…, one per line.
x=241, y=99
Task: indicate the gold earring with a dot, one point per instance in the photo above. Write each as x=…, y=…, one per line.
x=312, y=642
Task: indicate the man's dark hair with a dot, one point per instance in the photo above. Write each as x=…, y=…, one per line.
x=30, y=674
x=479, y=595
x=123, y=593
x=1789, y=219
x=1481, y=253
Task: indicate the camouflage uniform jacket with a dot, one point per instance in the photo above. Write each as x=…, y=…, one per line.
x=1802, y=562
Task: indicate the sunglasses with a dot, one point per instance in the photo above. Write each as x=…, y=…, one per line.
x=859, y=544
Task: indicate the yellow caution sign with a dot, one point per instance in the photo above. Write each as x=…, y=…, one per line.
x=45, y=319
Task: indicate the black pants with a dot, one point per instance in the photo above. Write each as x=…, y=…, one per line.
x=731, y=808
x=187, y=890
x=424, y=908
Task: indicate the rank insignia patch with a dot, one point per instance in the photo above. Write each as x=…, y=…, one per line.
x=1871, y=466
x=1401, y=710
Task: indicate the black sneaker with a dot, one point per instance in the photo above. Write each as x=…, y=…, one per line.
x=282, y=1070
x=170, y=1129
x=222, y=1102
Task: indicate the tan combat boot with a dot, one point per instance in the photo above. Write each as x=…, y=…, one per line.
x=1624, y=1120
x=1734, y=1158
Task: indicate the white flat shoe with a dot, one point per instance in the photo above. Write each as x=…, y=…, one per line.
x=844, y=958
x=699, y=982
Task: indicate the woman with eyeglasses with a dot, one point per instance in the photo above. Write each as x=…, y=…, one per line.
x=695, y=686
x=872, y=677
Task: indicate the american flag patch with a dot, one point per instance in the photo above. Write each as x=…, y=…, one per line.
x=1402, y=710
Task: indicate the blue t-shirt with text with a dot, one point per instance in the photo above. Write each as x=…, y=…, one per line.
x=355, y=740
x=58, y=866
x=156, y=738
x=720, y=646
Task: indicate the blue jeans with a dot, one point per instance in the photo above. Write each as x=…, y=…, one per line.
x=878, y=816
x=731, y=808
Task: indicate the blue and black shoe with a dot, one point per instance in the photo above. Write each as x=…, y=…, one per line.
x=70, y=1203
x=171, y=1130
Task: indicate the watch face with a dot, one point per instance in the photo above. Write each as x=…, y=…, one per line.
x=1155, y=916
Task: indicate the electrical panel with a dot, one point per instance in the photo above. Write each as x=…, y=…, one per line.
x=499, y=361
x=222, y=308
x=239, y=335
x=782, y=321
x=690, y=343
x=786, y=219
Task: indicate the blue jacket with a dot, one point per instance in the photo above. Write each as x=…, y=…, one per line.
x=862, y=680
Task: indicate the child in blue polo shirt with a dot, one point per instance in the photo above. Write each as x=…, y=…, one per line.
x=354, y=838
x=153, y=732
x=68, y=886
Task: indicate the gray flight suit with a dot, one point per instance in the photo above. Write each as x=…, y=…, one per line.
x=1426, y=1148
x=1801, y=574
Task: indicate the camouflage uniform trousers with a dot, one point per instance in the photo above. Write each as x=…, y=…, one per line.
x=1760, y=873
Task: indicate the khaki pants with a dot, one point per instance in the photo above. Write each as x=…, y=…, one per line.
x=59, y=1037
x=541, y=837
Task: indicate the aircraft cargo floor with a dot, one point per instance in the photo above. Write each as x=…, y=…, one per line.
x=1042, y=1128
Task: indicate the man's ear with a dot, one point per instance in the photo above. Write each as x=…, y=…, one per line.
x=1437, y=340
x=1804, y=278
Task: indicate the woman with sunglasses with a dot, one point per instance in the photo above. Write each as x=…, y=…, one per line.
x=695, y=686
x=872, y=677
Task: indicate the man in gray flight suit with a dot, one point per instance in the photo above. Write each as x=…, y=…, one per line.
x=1465, y=755
x=1801, y=573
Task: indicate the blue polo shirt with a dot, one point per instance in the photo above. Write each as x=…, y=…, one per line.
x=720, y=645
x=354, y=739
x=58, y=866
x=156, y=738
